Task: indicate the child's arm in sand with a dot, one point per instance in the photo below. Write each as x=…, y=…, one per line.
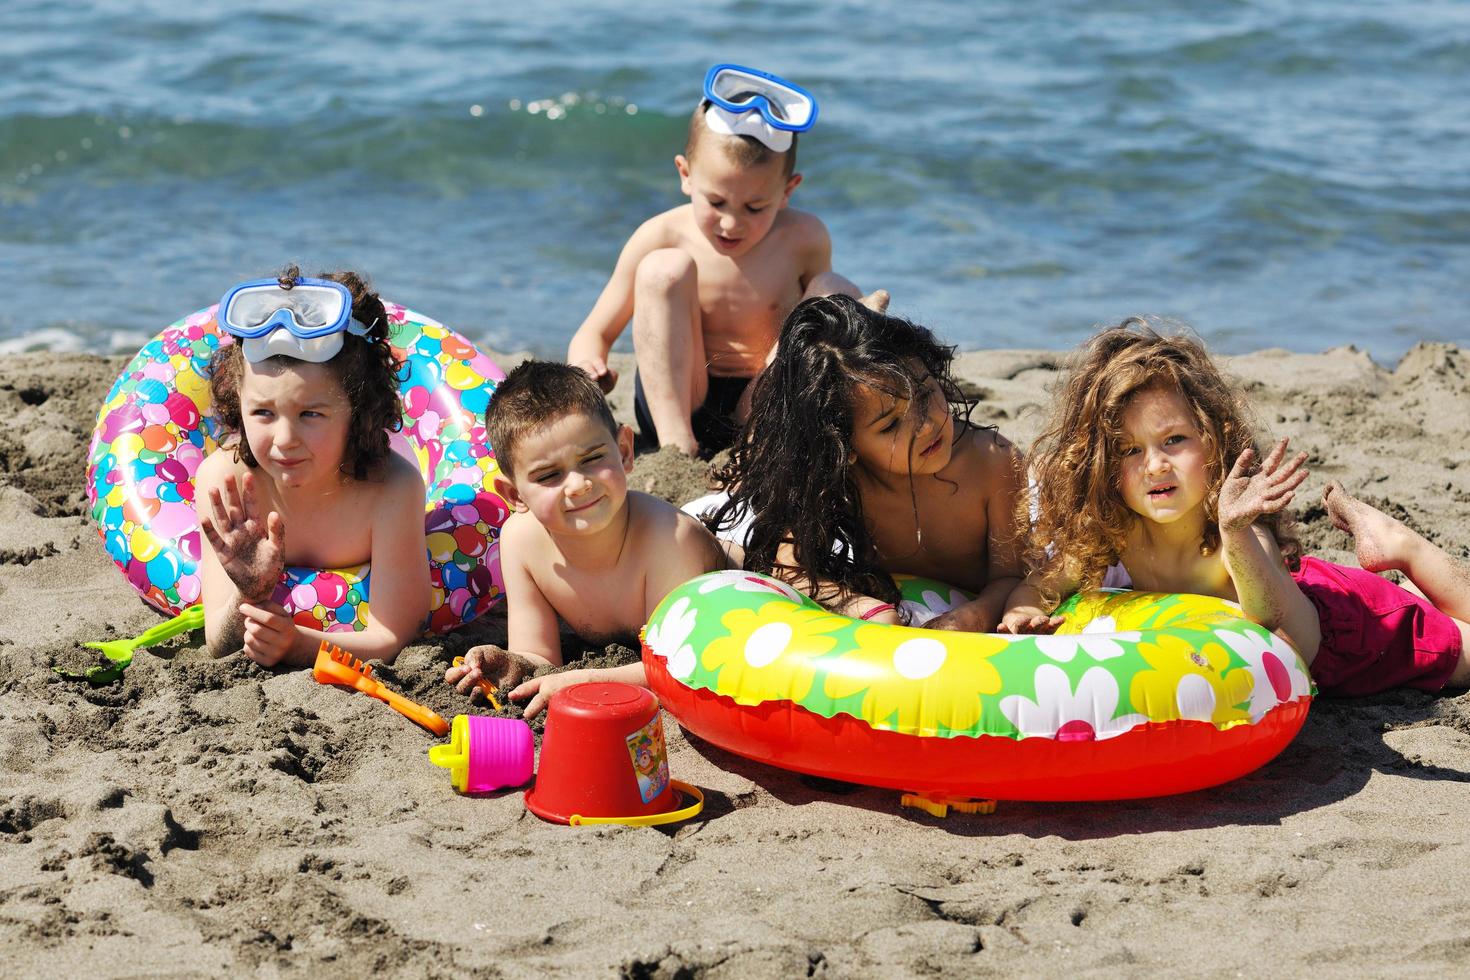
x=674, y=554
x=542, y=689
x=1268, y=595
x=400, y=568
x=593, y=340
x=533, y=635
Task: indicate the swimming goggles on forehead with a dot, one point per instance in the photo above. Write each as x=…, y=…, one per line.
x=306, y=322
x=747, y=102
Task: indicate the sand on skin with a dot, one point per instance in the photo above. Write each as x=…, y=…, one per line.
x=207, y=816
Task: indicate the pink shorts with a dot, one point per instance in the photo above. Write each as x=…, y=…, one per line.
x=1375, y=635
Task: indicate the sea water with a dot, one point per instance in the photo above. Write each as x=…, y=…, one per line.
x=1274, y=172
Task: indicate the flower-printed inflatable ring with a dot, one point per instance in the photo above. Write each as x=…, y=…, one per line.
x=155, y=428
x=1139, y=694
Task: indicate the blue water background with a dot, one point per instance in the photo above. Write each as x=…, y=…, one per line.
x=1276, y=172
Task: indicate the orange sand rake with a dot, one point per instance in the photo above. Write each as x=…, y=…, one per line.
x=336, y=666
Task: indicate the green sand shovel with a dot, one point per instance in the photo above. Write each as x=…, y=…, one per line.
x=120, y=652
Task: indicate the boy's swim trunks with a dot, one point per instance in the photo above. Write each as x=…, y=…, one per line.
x=1375, y=635
x=713, y=422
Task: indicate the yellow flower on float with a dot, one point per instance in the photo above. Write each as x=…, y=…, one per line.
x=918, y=682
x=769, y=652
x=1189, y=681
x=1147, y=610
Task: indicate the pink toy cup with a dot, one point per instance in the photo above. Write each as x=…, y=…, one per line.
x=603, y=760
x=486, y=754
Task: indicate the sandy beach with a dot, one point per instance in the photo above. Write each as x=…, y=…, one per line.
x=211, y=817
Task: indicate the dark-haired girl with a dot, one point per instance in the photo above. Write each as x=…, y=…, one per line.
x=860, y=461
x=305, y=475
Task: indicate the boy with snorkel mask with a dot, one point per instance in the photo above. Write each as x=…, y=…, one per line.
x=708, y=284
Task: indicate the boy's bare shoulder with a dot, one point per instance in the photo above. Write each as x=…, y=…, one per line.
x=653, y=513
x=802, y=227
x=653, y=516
x=519, y=529
x=665, y=229
x=672, y=547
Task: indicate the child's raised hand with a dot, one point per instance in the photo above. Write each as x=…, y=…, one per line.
x=1250, y=491
x=269, y=632
x=491, y=663
x=250, y=549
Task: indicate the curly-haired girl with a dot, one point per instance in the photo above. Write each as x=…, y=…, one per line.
x=305, y=397
x=1150, y=460
x=859, y=461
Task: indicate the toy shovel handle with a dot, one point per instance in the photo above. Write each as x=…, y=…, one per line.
x=120, y=652
x=187, y=621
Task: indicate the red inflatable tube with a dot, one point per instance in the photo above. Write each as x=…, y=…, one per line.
x=1156, y=759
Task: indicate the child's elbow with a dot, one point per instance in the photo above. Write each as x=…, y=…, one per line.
x=1303, y=632
x=1273, y=623
x=221, y=636
x=392, y=649
x=220, y=646
x=1304, y=636
x=390, y=642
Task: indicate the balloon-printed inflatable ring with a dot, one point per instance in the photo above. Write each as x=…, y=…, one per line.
x=155, y=428
x=1139, y=694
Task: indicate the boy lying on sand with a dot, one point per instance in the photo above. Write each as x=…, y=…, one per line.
x=578, y=545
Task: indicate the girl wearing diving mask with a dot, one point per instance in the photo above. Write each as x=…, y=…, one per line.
x=305, y=398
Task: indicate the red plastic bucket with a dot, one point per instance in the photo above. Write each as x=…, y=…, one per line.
x=603, y=759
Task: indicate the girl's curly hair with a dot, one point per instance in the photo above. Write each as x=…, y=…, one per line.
x=365, y=368
x=1082, y=520
x=793, y=469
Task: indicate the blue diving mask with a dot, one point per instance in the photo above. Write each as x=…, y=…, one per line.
x=306, y=321
x=746, y=102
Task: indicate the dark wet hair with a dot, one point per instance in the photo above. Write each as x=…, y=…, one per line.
x=745, y=151
x=537, y=393
x=793, y=469
x=365, y=368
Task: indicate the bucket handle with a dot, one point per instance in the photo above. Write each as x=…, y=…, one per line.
x=652, y=819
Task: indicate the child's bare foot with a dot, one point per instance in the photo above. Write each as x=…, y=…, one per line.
x=876, y=301
x=1382, y=541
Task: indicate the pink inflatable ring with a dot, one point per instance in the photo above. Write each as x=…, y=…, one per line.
x=155, y=428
